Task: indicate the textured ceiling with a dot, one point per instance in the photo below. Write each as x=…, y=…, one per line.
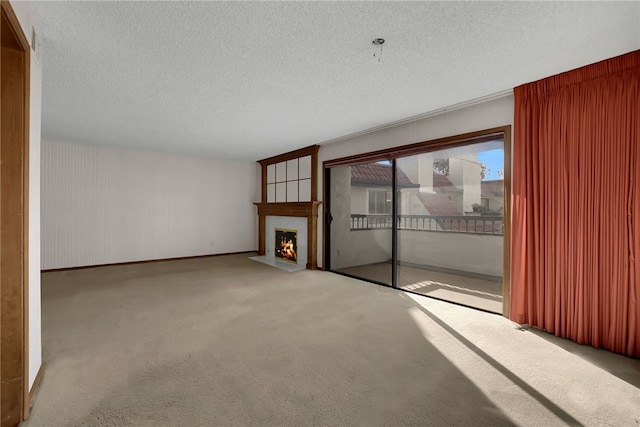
x=248, y=80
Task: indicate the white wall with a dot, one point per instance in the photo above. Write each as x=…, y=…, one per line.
x=362, y=247
x=495, y=113
x=359, y=199
x=23, y=12
x=473, y=253
x=103, y=205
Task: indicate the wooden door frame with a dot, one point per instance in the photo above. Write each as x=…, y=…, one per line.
x=14, y=284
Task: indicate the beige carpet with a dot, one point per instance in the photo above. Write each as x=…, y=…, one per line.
x=226, y=341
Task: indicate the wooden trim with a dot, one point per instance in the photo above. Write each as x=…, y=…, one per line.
x=23, y=44
x=307, y=210
x=263, y=170
x=314, y=175
x=298, y=209
x=31, y=396
x=82, y=267
x=14, y=194
x=312, y=240
x=311, y=150
x=325, y=211
x=418, y=147
x=292, y=155
x=262, y=225
x=25, y=236
x=506, y=246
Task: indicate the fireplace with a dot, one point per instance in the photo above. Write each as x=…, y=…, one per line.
x=289, y=203
x=301, y=216
x=286, y=245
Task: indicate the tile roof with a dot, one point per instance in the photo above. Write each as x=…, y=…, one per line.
x=438, y=204
x=377, y=174
x=380, y=174
x=495, y=186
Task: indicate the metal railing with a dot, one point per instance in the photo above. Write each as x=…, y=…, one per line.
x=455, y=224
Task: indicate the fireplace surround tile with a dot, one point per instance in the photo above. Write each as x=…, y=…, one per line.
x=289, y=223
x=302, y=216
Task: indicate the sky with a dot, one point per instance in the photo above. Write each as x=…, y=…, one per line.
x=494, y=160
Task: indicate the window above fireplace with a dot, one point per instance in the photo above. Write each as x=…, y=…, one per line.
x=289, y=181
x=290, y=177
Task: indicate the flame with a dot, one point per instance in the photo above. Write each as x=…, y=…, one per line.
x=286, y=249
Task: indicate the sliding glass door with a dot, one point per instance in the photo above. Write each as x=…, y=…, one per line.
x=429, y=222
x=450, y=224
x=361, y=200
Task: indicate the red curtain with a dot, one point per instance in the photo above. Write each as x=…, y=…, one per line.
x=575, y=245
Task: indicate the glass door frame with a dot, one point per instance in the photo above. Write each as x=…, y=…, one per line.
x=393, y=153
x=328, y=218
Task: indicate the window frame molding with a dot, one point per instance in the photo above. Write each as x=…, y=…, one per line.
x=312, y=151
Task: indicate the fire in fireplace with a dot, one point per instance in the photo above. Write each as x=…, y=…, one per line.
x=287, y=245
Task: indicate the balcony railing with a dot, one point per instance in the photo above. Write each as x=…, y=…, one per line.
x=455, y=224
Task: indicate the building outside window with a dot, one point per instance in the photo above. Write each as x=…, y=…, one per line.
x=380, y=202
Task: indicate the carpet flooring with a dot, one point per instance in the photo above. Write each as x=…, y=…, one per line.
x=226, y=341
x=472, y=292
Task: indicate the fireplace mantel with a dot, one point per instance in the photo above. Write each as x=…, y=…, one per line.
x=307, y=210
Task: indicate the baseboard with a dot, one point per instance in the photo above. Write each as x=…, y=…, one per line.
x=31, y=396
x=144, y=261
